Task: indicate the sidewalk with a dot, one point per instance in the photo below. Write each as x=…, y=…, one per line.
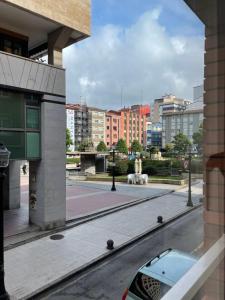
x=37, y=265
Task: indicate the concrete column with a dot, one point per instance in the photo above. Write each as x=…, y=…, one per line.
x=214, y=149
x=47, y=195
x=12, y=186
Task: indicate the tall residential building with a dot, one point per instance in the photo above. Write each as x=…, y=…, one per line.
x=32, y=99
x=167, y=104
x=186, y=122
x=133, y=124
x=112, y=128
x=96, y=125
x=77, y=123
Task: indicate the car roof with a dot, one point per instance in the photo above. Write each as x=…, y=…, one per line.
x=169, y=266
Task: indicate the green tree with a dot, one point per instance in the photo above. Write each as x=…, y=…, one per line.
x=136, y=146
x=86, y=145
x=198, y=139
x=152, y=150
x=122, y=146
x=101, y=147
x=181, y=143
x=69, y=141
x=169, y=148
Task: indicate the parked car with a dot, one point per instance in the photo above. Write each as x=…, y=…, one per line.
x=157, y=276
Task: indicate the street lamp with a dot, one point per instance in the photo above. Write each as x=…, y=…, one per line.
x=191, y=150
x=4, y=162
x=113, y=169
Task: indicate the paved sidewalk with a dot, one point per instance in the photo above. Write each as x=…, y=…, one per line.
x=36, y=265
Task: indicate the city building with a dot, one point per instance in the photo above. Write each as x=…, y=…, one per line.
x=77, y=123
x=167, y=104
x=32, y=99
x=186, y=121
x=96, y=125
x=133, y=124
x=112, y=128
x=153, y=134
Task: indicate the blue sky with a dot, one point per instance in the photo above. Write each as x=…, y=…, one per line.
x=144, y=48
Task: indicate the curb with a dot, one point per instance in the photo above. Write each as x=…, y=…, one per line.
x=103, y=257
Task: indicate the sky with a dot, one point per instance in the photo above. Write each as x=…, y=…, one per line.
x=139, y=50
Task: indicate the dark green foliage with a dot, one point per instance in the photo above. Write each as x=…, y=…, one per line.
x=181, y=143
x=136, y=146
x=121, y=167
x=69, y=141
x=101, y=147
x=122, y=146
x=73, y=160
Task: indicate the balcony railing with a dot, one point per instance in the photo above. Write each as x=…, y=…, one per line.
x=30, y=75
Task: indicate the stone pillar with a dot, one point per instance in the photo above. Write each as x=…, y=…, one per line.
x=47, y=188
x=214, y=149
x=57, y=40
x=12, y=186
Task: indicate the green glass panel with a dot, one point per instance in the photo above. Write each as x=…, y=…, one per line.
x=32, y=118
x=15, y=142
x=11, y=110
x=33, y=145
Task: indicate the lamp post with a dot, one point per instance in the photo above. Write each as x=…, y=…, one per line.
x=191, y=151
x=4, y=162
x=113, y=170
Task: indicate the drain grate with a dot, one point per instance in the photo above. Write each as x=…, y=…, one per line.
x=56, y=237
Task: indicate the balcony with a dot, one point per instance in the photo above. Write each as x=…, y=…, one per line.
x=23, y=73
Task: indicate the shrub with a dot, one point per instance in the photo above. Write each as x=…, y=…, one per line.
x=130, y=169
x=73, y=160
x=121, y=167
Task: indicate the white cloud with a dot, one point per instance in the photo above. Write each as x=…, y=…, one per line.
x=143, y=60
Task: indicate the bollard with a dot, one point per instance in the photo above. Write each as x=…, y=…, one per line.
x=110, y=244
x=160, y=219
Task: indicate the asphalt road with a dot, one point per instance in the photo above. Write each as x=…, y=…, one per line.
x=108, y=280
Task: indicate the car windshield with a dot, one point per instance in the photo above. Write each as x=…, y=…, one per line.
x=148, y=288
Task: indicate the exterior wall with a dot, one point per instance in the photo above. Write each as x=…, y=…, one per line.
x=187, y=123
x=96, y=125
x=133, y=125
x=112, y=129
x=88, y=163
x=47, y=186
x=70, y=126
x=22, y=73
x=74, y=14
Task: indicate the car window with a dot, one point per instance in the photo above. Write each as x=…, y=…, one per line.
x=148, y=288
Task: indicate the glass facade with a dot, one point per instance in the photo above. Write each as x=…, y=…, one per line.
x=20, y=124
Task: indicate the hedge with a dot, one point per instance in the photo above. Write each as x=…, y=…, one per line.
x=73, y=160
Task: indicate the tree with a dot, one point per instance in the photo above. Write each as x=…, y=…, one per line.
x=181, y=143
x=121, y=146
x=198, y=139
x=152, y=150
x=101, y=147
x=169, y=148
x=69, y=141
x=86, y=145
x=136, y=146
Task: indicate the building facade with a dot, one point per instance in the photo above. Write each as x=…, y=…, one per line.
x=96, y=125
x=77, y=123
x=112, y=128
x=186, y=122
x=167, y=104
x=32, y=99
x=153, y=134
x=133, y=124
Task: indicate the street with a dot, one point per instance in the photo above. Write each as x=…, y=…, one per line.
x=109, y=279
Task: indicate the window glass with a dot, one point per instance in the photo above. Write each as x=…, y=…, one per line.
x=15, y=142
x=33, y=145
x=32, y=118
x=11, y=110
